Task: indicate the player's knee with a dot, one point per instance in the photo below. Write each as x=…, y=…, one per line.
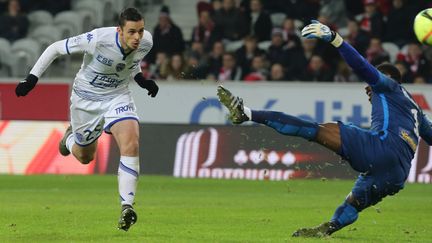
x=130, y=148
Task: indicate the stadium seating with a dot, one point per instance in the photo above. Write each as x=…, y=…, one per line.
x=392, y=50
x=46, y=35
x=277, y=19
x=96, y=7
x=69, y=22
x=232, y=46
x=264, y=45
x=26, y=52
x=108, y=12
x=38, y=18
x=5, y=57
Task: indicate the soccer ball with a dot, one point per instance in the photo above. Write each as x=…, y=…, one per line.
x=423, y=26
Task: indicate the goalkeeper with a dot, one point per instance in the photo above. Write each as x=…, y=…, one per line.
x=382, y=154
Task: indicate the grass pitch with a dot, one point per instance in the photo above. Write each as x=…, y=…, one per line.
x=86, y=209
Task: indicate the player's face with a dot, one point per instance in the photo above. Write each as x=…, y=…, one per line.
x=131, y=34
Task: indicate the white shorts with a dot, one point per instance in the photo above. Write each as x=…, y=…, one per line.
x=88, y=117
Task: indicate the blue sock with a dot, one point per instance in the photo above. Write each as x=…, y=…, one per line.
x=344, y=215
x=286, y=124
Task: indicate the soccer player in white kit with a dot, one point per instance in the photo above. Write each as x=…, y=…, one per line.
x=101, y=99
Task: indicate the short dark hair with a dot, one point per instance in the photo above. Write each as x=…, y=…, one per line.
x=129, y=14
x=390, y=69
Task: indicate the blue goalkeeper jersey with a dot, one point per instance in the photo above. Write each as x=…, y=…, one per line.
x=393, y=109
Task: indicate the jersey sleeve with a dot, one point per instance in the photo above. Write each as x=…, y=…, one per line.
x=359, y=65
x=425, y=129
x=77, y=44
x=84, y=43
x=384, y=84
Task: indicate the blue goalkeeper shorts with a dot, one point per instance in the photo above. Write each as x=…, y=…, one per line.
x=380, y=160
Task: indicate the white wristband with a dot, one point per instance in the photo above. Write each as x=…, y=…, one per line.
x=337, y=40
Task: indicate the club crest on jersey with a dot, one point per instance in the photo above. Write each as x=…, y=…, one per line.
x=120, y=67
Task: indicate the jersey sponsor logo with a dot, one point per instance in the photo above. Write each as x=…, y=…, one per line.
x=120, y=67
x=142, y=50
x=104, y=60
x=125, y=108
x=89, y=37
x=106, y=80
x=405, y=135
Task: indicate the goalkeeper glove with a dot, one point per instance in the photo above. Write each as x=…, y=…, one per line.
x=148, y=84
x=316, y=30
x=24, y=86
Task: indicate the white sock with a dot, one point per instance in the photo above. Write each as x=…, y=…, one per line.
x=128, y=172
x=70, y=141
x=248, y=112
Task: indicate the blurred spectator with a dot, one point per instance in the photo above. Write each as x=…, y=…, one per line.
x=194, y=68
x=345, y=74
x=206, y=31
x=231, y=21
x=357, y=37
x=216, y=5
x=245, y=53
x=399, y=24
x=290, y=34
x=214, y=60
x=161, y=60
x=375, y=53
x=334, y=11
x=174, y=69
x=258, y=70
x=419, y=80
x=354, y=7
x=418, y=64
x=146, y=70
x=276, y=52
x=259, y=21
x=298, y=59
x=3, y=5
x=277, y=73
x=229, y=70
x=13, y=24
x=384, y=6
x=407, y=75
x=371, y=21
x=317, y=70
x=167, y=36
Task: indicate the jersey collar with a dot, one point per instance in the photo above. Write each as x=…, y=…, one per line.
x=121, y=48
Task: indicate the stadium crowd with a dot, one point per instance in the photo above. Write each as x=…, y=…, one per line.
x=254, y=40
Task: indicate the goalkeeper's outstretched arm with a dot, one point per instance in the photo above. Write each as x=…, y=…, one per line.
x=361, y=66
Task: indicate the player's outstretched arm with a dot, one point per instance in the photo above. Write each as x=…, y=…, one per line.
x=361, y=67
x=48, y=56
x=148, y=84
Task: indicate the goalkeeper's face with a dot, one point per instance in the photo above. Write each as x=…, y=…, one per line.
x=131, y=34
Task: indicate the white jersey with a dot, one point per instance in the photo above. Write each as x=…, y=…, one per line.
x=106, y=70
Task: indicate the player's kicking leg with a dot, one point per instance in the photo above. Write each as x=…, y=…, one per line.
x=327, y=134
